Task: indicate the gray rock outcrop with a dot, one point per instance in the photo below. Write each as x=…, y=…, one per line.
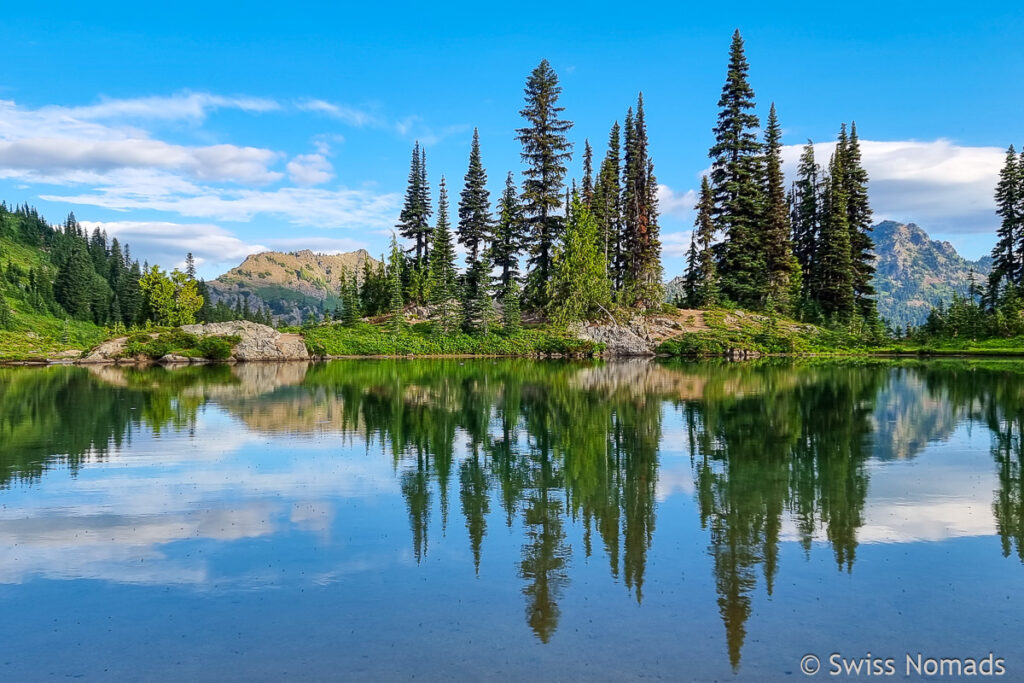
x=258, y=342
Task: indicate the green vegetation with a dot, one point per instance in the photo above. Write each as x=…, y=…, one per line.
x=177, y=342
x=370, y=340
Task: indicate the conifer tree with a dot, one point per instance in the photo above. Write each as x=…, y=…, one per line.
x=579, y=288
x=783, y=270
x=735, y=178
x=834, y=268
x=396, y=305
x=414, y=221
x=607, y=206
x=588, y=174
x=442, y=284
x=474, y=206
x=72, y=286
x=1007, y=266
x=546, y=150
x=642, y=273
x=190, y=265
x=511, y=314
x=507, y=242
x=805, y=215
x=858, y=210
x=478, y=309
x=702, y=276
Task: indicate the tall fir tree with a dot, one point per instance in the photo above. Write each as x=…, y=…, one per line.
x=443, y=283
x=642, y=273
x=414, y=221
x=783, y=270
x=858, y=211
x=607, y=205
x=834, y=267
x=736, y=180
x=805, y=216
x=702, y=275
x=508, y=239
x=396, y=303
x=474, y=206
x=588, y=174
x=1007, y=265
x=546, y=151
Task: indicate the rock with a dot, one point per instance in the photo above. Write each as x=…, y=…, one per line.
x=107, y=352
x=68, y=356
x=258, y=342
x=173, y=358
x=619, y=340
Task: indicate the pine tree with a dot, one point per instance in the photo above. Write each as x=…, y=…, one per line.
x=474, y=206
x=735, y=178
x=702, y=276
x=190, y=265
x=579, y=288
x=507, y=242
x=834, y=268
x=478, y=309
x=783, y=270
x=607, y=207
x=546, y=150
x=442, y=284
x=414, y=221
x=396, y=305
x=858, y=211
x=1007, y=267
x=643, y=273
x=72, y=286
x=805, y=216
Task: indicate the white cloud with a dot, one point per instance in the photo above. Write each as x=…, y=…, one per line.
x=322, y=208
x=674, y=203
x=350, y=115
x=167, y=243
x=676, y=244
x=940, y=185
x=184, y=105
x=310, y=169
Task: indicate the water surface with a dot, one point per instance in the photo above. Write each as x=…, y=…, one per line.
x=507, y=519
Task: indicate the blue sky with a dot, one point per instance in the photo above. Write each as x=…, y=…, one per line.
x=225, y=131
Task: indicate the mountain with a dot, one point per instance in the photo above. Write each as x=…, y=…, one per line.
x=913, y=273
x=290, y=284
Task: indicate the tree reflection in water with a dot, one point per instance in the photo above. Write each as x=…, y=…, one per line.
x=556, y=445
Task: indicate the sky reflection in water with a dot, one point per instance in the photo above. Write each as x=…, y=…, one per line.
x=507, y=519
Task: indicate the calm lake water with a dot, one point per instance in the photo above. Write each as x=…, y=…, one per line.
x=508, y=519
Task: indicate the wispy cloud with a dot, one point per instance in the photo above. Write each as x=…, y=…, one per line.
x=676, y=203
x=310, y=169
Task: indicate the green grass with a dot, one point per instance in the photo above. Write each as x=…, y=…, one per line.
x=36, y=336
x=369, y=340
x=1013, y=346
x=729, y=332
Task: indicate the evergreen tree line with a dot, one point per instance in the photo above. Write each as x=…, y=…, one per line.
x=806, y=252
x=992, y=309
x=93, y=278
x=585, y=248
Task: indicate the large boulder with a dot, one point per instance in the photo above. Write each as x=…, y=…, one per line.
x=632, y=340
x=258, y=342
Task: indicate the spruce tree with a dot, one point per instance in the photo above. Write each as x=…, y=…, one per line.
x=588, y=174
x=478, y=309
x=702, y=279
x=511, y=314
x=642, y=276
x=858, y=211
x=508, y=240
x=783, y=270
x=735, y=178
x=579, y=289
x=414, y=221
x=74, y=279
x=546, y=150
x=1007, y=268
x=834, y=267
x=474, y=206
x=607, y=206
x=805, y=216
x=443, y=285
x=190, y=265
x=396, y=304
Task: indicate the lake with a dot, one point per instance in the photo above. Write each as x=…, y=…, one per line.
x=509, y=519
